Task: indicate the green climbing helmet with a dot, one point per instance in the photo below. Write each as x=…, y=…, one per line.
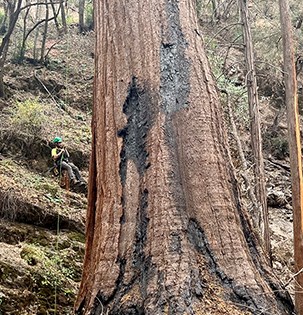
x=57, y=140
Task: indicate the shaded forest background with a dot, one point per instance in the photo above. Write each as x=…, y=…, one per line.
x=46, y=78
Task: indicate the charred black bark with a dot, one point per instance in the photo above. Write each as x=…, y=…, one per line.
x=137, y=108
x=139, y=113
x=174, y=77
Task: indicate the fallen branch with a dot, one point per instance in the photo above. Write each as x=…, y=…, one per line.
x=279, y=165
x=292, y=278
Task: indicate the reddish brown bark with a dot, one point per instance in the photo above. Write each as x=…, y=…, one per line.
x=293, y=124
x=165, y=230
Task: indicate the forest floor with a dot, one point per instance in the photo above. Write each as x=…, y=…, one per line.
x=42, y=225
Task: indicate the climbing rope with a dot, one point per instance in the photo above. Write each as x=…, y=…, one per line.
x=66, y=179
x=58, y=235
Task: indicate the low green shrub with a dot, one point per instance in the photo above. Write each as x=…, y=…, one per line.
x=32, y=255
x=28, y=117
x=49, y=270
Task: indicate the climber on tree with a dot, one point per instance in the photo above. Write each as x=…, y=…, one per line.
x=60, y=156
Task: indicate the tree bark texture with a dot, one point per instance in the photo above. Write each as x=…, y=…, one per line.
x=293, y=124
x=255, y=130
x=166, y=233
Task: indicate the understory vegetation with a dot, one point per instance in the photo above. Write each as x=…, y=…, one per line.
x=41, y=224
x=224, y=44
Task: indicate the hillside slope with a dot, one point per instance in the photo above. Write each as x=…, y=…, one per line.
x=42, y=225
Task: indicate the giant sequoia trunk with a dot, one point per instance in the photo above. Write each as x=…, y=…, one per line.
x=166, y=233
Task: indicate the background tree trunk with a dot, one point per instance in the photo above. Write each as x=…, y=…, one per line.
x=166, y=233
x=63, y=17
x=14, y=8
x=291, y=100
x=37, y=33
x=261, y=214
x=45, y=33
x=23, y=43
x=81, y=16
x=3, y=27
x=55, y=14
